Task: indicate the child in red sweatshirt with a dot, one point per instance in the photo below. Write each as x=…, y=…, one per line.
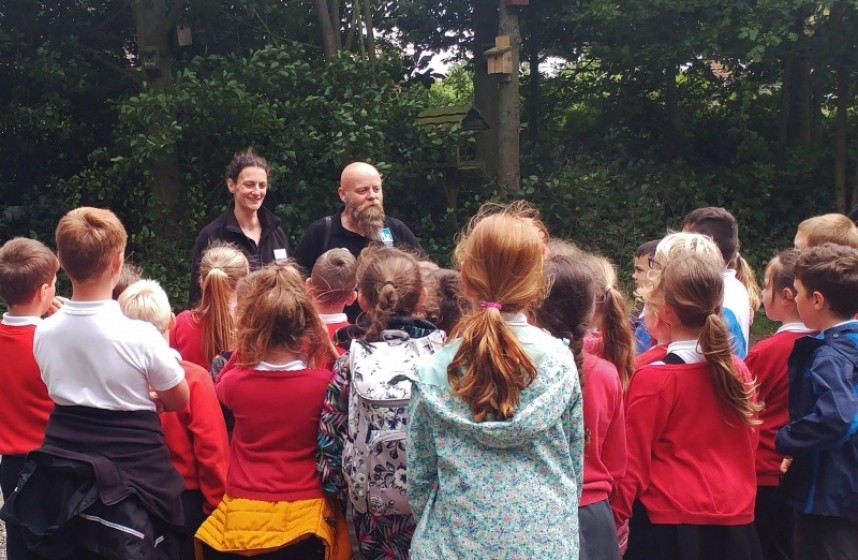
x=332, y=284
x=565, y=313
x=196, y=434
x=690, y=484
x=28, y=279
x=274, y=504
x=767, y=362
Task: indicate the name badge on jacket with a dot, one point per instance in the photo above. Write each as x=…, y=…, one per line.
x=280, y=255
x=386, y=237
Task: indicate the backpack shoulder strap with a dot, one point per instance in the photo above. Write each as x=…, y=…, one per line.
x=327, y=240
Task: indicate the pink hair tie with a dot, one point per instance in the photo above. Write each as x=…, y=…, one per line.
x=491, y=304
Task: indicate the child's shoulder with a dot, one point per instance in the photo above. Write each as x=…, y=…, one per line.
x=778, y=342
x=195, y=373
x=18, y=332
x=840, y=343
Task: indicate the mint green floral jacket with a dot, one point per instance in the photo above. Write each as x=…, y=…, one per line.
x=500, y=490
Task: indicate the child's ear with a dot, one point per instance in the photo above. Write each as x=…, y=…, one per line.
x=667, y=315
x=818, y=301
x=43, y=298
x=363, y=303
x=116, y=263
x=308, y=283
x=788, y=295
x=351, y=299
x=172, y=322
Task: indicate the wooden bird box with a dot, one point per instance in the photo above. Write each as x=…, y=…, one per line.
x=517, y=3
x=499, y=57
x=184, y=35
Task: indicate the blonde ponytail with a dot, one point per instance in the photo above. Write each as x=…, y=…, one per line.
x=745, y=274
x=221, y=267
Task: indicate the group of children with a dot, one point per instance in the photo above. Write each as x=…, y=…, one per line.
x=550, y=424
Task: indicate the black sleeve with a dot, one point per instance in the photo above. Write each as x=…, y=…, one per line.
x=403, y=236
x=310, y=246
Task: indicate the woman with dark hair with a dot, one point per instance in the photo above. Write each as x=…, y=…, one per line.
x=246, y=224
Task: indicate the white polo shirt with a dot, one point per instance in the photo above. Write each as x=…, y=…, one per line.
x=90, y=354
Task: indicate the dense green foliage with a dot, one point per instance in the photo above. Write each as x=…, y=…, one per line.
x=663, y=106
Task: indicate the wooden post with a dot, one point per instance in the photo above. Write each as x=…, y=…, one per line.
x=509, y=107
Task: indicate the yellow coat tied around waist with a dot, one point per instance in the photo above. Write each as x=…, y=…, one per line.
x=252, y=527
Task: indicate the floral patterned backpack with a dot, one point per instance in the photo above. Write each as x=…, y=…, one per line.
x=374, y=450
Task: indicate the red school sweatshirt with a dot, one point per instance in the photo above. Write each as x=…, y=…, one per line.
x=654, y=354
x=332, y=330
x=277, y=413
x=768, y=364
x=691, y=458
x=604, y=420
x=186, y=336
x=197, y=440
x=24, y=402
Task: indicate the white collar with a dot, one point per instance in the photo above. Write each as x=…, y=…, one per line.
x=333, y=318
x=89, y=307
x=294, y=365
x=687, y=350
x=795, y=326
x=20, y=320
x=514, y=318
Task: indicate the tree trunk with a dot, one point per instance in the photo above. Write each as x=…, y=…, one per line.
x=675, y=126
x=353, y=30
x=329, y=41
x=854, y=202
x=485, y=25
x=839, y=36
x=800, y=93
x=533, y=96
x=784, y=117
x=370, y=33
x=336, y=22
x=509, y=108
x=840, y=151
x=154, y=23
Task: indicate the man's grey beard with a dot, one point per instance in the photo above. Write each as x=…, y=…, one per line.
x=369, y=217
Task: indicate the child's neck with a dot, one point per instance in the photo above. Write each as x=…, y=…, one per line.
x=25, y=310
x=330, y=309
x=94, y=290
x=681, y=332
x=791, y=317
x=280, y=356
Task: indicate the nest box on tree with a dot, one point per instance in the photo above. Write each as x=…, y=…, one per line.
x=499, y=57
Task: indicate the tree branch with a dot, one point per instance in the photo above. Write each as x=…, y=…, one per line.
x=127, y=73
x=266, y=30
x=177, y=8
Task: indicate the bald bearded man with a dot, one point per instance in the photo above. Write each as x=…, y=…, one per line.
x=360, y=221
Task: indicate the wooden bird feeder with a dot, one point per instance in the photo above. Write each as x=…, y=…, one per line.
x=466, y=117
x=499, y=57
